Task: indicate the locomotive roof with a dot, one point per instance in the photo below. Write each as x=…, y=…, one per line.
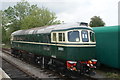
x=48, y=29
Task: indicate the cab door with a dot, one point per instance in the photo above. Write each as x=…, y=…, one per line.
x=53, y=44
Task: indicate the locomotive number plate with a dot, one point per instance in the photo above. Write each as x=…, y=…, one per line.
x=60, y=49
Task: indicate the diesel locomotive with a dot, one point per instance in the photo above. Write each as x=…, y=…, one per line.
x=68, y=47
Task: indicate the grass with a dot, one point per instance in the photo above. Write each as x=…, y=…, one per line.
x=113, y=75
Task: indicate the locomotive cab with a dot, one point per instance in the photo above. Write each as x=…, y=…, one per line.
x=78, y=45
x=73, y=36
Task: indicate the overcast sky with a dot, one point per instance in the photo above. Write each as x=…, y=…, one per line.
x=77, y=10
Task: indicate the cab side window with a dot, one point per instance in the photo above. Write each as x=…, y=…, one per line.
x=58, y=37
x=92, y=37
x=61, y=37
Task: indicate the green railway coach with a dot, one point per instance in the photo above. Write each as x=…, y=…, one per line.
x=107, y=45
x=56, y=43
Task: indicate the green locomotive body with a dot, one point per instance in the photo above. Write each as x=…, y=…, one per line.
x=59, y=43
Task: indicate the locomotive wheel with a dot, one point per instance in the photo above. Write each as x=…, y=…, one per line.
x=38, y=60
x=19, y=54
x=46, y=62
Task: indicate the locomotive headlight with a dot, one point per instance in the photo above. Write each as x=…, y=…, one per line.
x=89, y=62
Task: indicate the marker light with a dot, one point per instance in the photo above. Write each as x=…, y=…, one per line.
x=94, y=61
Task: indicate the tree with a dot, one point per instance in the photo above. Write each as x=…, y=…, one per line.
x=96, y=21
x=25, y=16
x=39, y=17
x=3, y=26
x=16, y=13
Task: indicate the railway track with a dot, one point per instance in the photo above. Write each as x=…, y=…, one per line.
x=31, y=70
x=35, y=72
x=13, y=72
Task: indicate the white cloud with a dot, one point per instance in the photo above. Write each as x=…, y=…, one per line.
x=79, y=10
x=106, y=9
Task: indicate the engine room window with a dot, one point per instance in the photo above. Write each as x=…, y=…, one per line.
x=54, y=36
x=73, y=36
x=84, y=35
x=92, y=37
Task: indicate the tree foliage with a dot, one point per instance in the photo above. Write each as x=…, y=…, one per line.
x=96, y=21
x=4, y=22
x=39, y=17
x=25, y=16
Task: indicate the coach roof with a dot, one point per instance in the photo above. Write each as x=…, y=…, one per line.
x=48, y=29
